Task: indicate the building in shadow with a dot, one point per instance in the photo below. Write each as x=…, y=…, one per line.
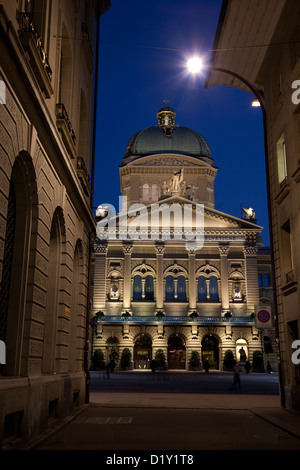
x=47, y=66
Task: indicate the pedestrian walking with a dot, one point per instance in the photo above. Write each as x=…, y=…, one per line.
x=237, y=376
x=153, y=365
x=206, y=366
x=107, y=370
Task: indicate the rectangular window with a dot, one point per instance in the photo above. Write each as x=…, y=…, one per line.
x=281, y=159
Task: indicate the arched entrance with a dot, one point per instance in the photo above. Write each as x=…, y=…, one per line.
x=112, y=349
x=210, y=351
x=176, y=353
x=142, y=352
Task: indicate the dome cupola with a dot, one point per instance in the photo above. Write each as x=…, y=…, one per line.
x=167, y=138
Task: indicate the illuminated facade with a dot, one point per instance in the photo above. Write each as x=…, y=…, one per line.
x=273, y=67
x=161, y=291
x=47, y=79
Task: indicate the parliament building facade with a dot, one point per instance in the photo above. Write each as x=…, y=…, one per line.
x=157, y=290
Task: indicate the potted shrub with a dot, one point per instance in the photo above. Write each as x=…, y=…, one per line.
x=258, y=362
x=126, y=315
x=160, y=315
x=125, y=362
x=160, y=359
x=227, y=315
x=194, y=315
x=229, y=360
x=194, y=360
x=100, y=315
x=98, y=360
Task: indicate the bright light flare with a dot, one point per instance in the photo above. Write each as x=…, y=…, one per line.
x=255, y=103
x=194, y=65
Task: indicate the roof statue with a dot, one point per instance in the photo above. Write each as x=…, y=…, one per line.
x=249, y=213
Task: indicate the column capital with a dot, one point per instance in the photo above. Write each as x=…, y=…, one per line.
x=224, y=249
x=127, y=248
x=101, y=248
x=160, y=248
x=250, y=250
x=191, y=251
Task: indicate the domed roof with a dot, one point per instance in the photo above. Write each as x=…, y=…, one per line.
x=167, y=137
x=154, y=140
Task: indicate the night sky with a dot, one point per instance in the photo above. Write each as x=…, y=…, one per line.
x=144, y=45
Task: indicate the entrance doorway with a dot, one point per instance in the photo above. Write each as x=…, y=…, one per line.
x=142, y=352
x=210, y=351
x=176, y=353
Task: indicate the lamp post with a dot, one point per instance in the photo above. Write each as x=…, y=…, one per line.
x=258, y=102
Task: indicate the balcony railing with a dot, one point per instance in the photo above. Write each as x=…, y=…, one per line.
x=65, y=127
x=175, y=319
x=83, y=175
x=33, y=44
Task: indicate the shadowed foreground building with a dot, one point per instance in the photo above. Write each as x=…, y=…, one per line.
x=47, y=80
x=167, y=293
x=272, y=66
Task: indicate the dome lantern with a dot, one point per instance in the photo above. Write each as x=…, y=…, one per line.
x=166, y=118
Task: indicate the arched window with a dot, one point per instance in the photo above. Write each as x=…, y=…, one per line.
x=213, y=289
x=56, y=249
x=146, y=192
x=155, y=193
x=170, y=291
x=181, y=289
x=201, y=289
x=18, y=270
x=66, y=72
x=137, y=294
x=83, y=148
x=149, y=288
x=75, y=323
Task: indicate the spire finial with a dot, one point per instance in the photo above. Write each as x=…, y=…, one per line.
x=166, y=101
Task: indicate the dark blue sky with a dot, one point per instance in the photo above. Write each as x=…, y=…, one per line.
x=144, y=48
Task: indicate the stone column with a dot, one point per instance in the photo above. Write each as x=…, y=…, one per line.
x=224, y=249
x=251, y=272
x=100, y=276
x=192, y=281
x=160, y=248
x=127, y=248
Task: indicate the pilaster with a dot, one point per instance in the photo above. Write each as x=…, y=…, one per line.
x=224, y=250
x=192, y=280
x=127, y=249
x=160, y=249
x=250, y=254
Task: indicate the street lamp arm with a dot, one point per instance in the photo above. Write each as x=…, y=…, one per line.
x=254, y=90
x=259, y=97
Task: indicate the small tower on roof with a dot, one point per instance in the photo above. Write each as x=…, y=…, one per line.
x=166, y=118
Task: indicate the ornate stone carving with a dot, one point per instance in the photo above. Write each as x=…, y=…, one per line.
x=127, y=248
x=250, y=250
x=160, y=249
x=224, y=249
x=101, y=248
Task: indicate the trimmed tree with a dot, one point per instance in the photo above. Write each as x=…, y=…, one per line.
x=125, y=361
x=228, y=359
x=194, y=360
x=160, y=359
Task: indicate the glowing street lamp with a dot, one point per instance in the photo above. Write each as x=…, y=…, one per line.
x=255, y=103
x=194, y=65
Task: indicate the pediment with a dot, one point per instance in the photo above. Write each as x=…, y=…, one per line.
x=177, y=215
